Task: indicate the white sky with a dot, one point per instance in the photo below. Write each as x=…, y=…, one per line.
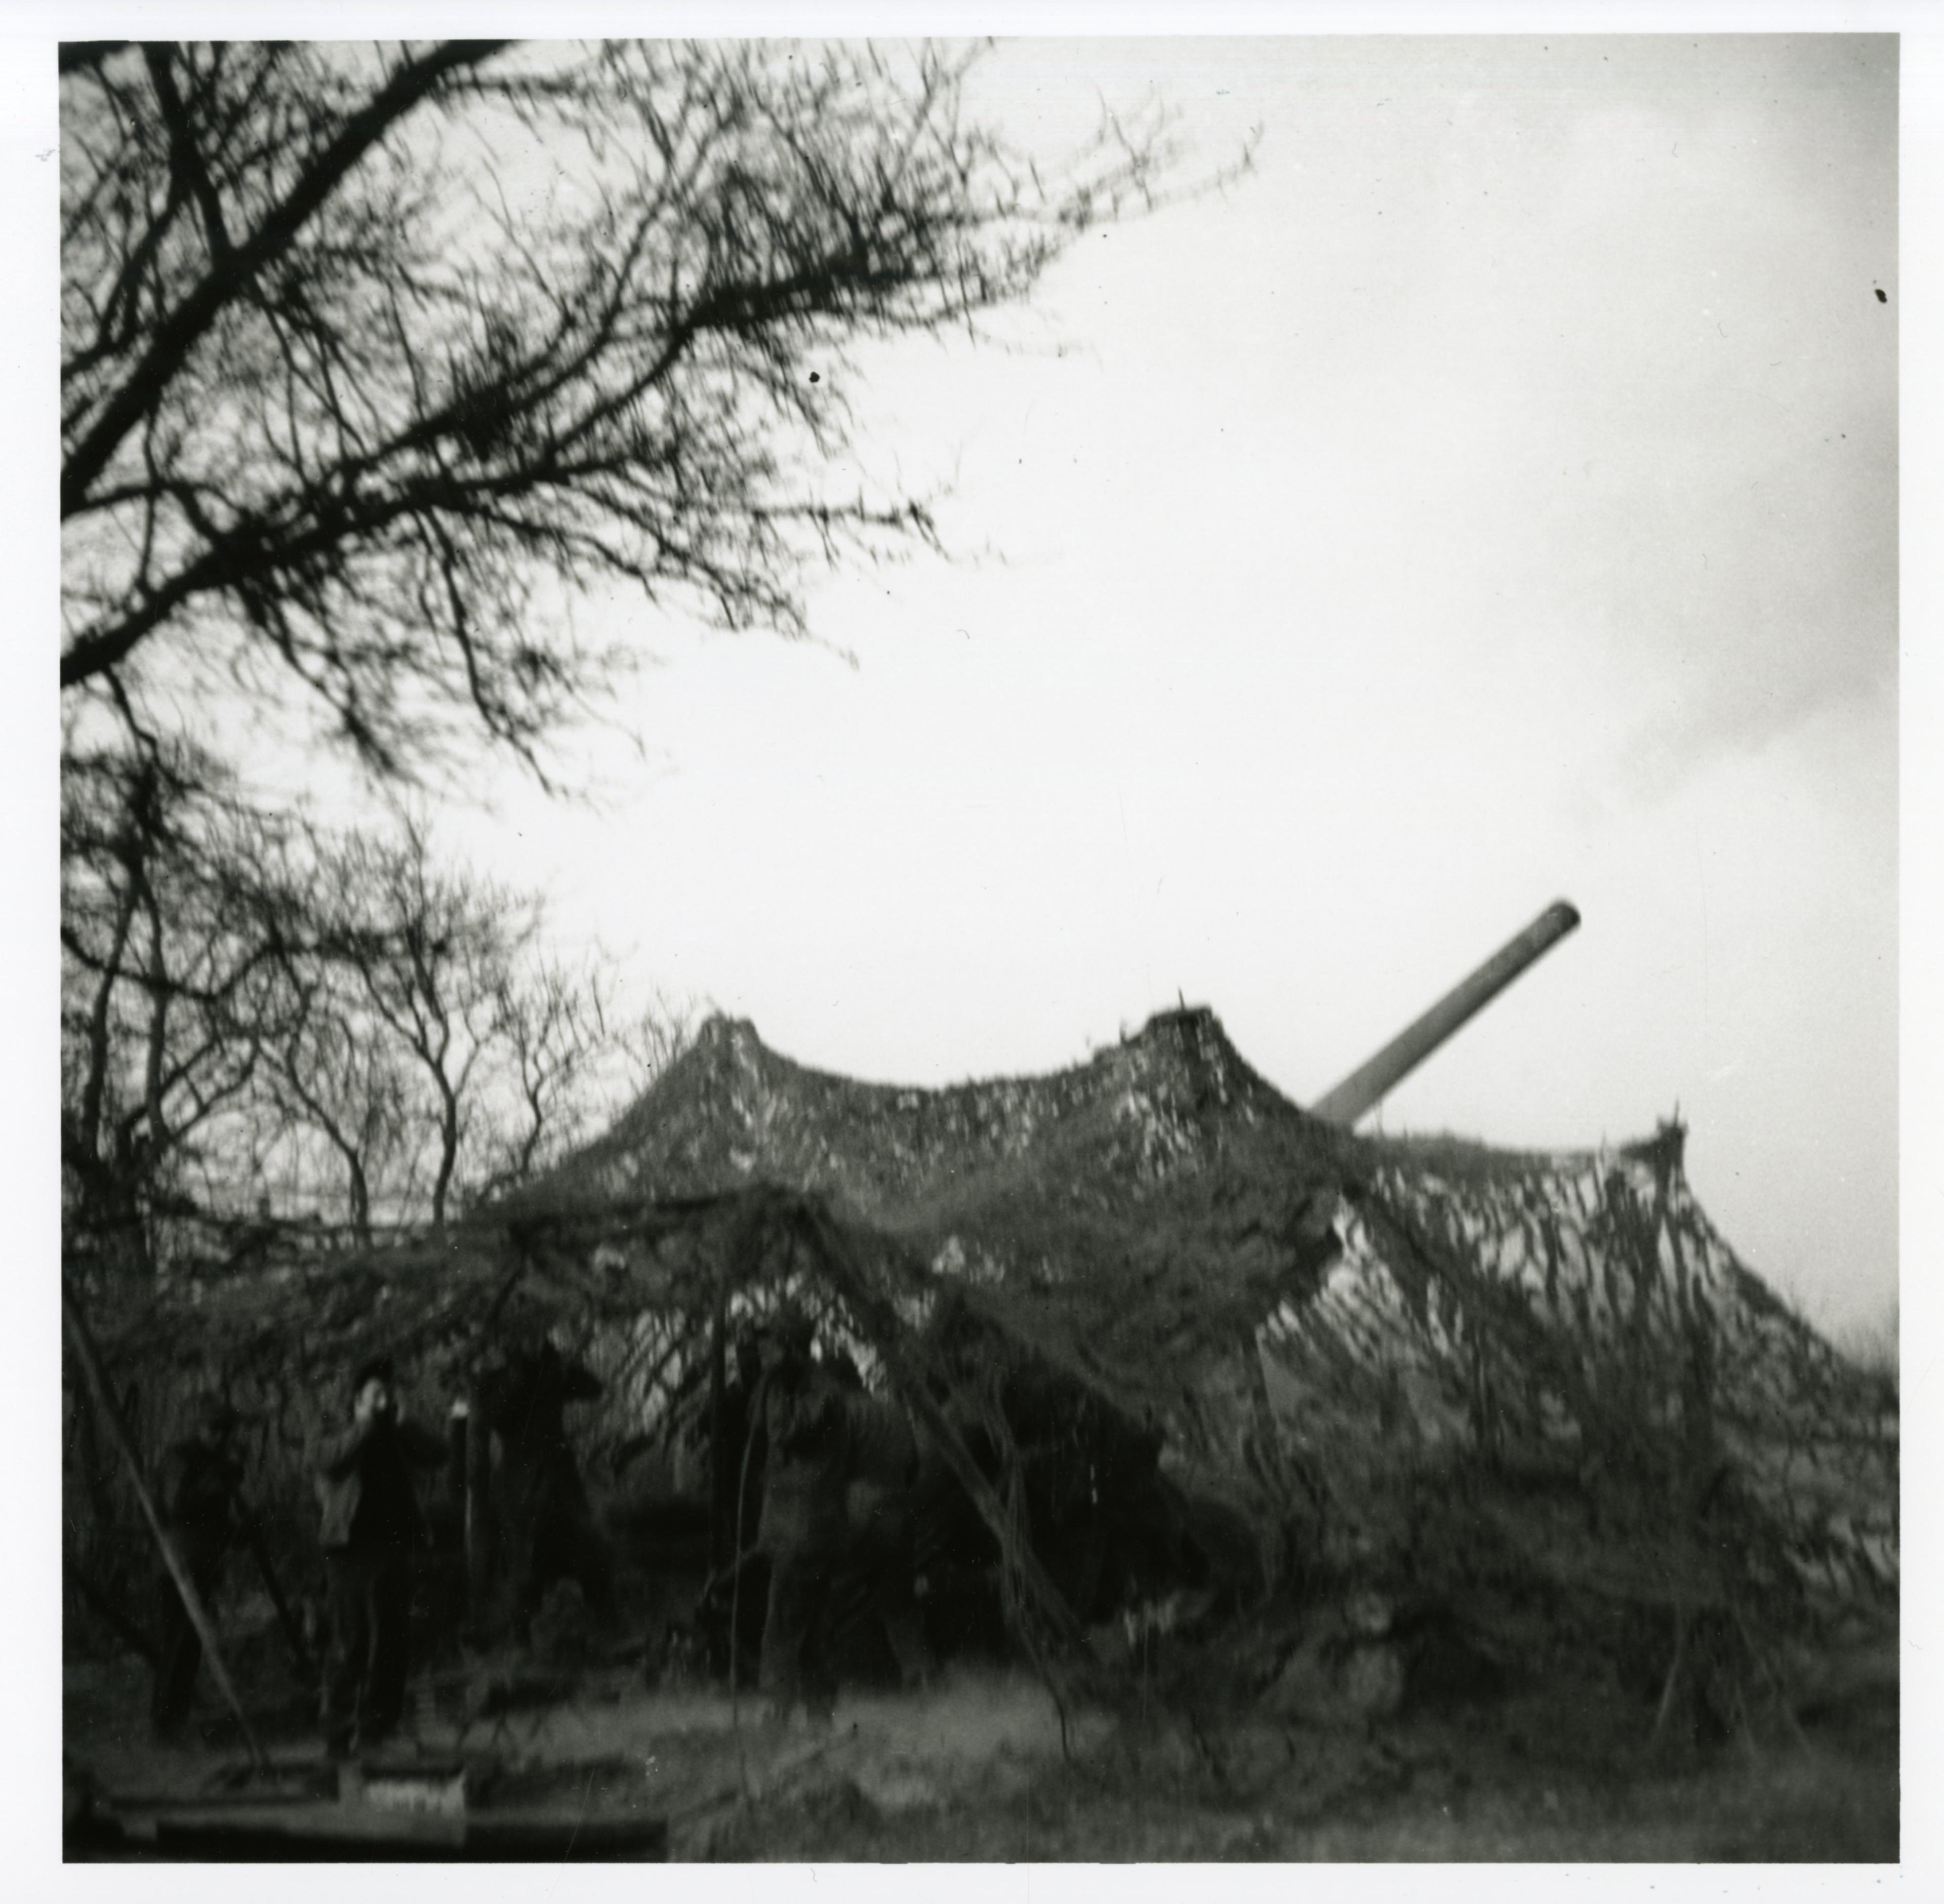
x=1493, y=499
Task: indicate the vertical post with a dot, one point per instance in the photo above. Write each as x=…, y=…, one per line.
x=742, y=1261
x=198, y=1614
x=478, y=1509
x=725, y=1538
x=456, y=1419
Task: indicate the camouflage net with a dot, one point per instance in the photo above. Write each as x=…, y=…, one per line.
x=1423, y=1364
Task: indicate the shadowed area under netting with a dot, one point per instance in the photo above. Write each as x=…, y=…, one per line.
x=1218, y=1403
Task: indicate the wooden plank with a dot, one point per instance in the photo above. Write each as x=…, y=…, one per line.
x=354, y=1834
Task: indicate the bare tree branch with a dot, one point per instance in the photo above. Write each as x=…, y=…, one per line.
x=383, y=393
x=229, y=274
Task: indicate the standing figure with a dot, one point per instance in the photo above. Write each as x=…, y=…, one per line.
x=803, y=1528
x=880, y=1571
x=370, y=1526
x=554, y=1535
x=195, y=1497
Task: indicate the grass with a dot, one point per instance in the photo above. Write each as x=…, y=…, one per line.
x=973, y=1771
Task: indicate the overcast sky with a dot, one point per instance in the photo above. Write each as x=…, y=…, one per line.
x=1492, y=499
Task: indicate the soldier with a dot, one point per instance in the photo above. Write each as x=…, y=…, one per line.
x=195, y=1501
x=803, y=1529
x=880, y=1567
x=554, y=1534
x=371, y=1525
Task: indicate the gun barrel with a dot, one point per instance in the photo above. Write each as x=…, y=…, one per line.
x=1361, y=1091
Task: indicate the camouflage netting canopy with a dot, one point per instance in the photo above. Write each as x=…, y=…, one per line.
x=1131, y=1221
x=1161, y=1223
x=1422, y=1363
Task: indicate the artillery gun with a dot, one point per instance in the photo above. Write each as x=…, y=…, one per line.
x=1362, y=1090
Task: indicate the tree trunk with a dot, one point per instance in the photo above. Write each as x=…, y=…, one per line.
x=359, y=1199
x=88, y=1133
x=448, y=1153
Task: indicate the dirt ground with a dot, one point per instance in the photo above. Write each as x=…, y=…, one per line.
x=981, y=1768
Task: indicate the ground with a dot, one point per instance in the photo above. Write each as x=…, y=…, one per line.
x=977, y=1769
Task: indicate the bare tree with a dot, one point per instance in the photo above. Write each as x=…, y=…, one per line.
x=249, y=1004
x=177, y=917
x=332, y=1074
x=555, y=1021
x=432, y=948
x=372, y=360
x=363, y=352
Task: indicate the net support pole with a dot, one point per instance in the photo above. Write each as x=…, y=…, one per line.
x=478, y=1482
x=179, y=1572
x=725, y=1537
